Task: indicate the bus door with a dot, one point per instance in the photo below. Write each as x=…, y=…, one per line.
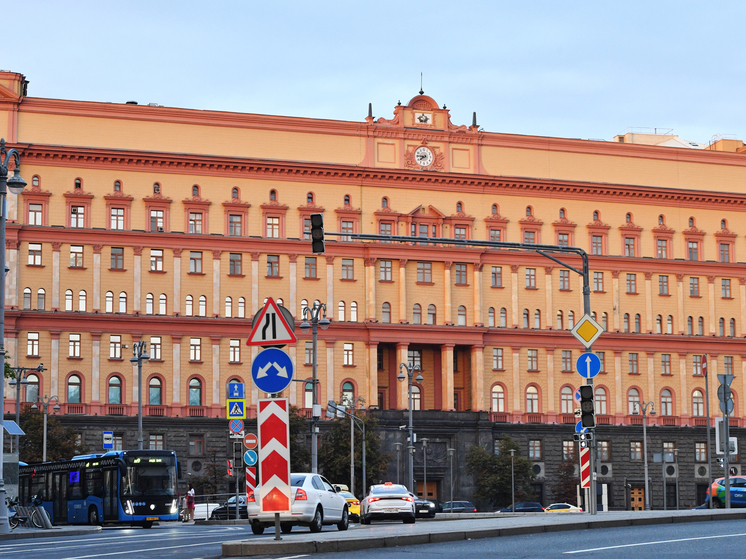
x=59, y=490
x=111, y=494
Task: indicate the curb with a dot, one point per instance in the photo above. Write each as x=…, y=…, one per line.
x=54, y=532
x=249, y=549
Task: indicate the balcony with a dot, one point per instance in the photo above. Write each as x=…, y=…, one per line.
x=700, y=421
x=197, y=411
x=634, y=420
x=115, y=409
x=306, y=413
x=669, y=420
x=155, y=411
x=603, y=420
x=498, y=417
x=74, y=409
x=733, y=421
x=534, y=418
x=568, y=418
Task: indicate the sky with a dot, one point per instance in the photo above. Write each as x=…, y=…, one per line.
x=577, y=69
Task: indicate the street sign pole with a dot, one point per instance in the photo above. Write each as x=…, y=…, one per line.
x=709, y=440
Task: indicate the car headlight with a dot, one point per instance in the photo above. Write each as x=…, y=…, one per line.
x=128, y=508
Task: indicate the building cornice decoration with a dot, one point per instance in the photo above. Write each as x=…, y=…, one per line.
x=236, y=202
x=157, y=197
x=118, y=195
x=630, y=228
x=726, y=234
x=663, y=229
x=197, y=201
x=564, y=223
x=78, y=193
x=598, y=225
x=693, y=232
x=530, y=220
x=349, y=210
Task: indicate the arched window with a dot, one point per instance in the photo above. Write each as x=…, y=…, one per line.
x=417, y=314
x=195, y=190
x=560, y=321
x=532, y=400
x=32, y=388
x=347, y=199
x=202, y=306
x=566, y=399
x=156, y=188
x=595, y=216
x=637, y=323
x=228, y=307
x=241, y=307
x=109, y=301
x=40, y=299
x=666, y=402
x=459, y=207
x=162, y=304
x=341, y=311
x=386, y=313
x=525, y=318
x=309, y=198
x=308, y=395
x=73, y=389
x=273, y=195
x=416, y=398
x=669, y=324
x=498, y=399
x=661, y=220
x=723, y=224
x=600, y=401
x=503, y=318
x=155, y=392
x=633, y=398
x=303, y=305
x=122, y=302
x=68, y=299
x=78, y=184
x=117, y=186
x=348, y=393
x=721, y=326
x=701, y=326
x=188, y=308
x=537, y=319
x=732, y=327
x=353, y=312
x=149, y=300
x=82, y=301
x=195, y=392
x=384, y=202
x=27, y=298
x=628, y=218
x=462, y=315
x=491, y=317
x=234, y=193
x=659, y=324
x=570, y=320
x=626, y=322
x=431, y=314
x=494, y=209
x=35, y=180
x=698, y=403
x=115, y=390
x=605, y=322
x=691, y=222
x=529, y=211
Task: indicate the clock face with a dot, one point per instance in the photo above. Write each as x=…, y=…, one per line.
x=423, y=156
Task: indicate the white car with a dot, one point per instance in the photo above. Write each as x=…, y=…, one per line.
x=314, y=503
x=387, y=501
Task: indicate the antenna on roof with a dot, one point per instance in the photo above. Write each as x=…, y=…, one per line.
x=421, y=91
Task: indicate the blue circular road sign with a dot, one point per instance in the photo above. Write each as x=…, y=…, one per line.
x=250, y=457
x=579, y=427
x=588, y=365
x=272, y=370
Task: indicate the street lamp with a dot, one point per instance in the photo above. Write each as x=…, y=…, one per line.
x=451, y=452
x=398, y=459
x=424, y=465
x=352, y=440
x=45, y=401
x=139, y=354
x=16, y=185
x=21, y=378
x=512, y=479
x=643, y=407
x=312, y=313
x=411, y=368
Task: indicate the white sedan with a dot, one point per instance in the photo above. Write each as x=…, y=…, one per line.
x=314, y=503
x=387, y=501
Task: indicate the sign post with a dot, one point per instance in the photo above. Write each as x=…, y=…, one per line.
x=274, y=458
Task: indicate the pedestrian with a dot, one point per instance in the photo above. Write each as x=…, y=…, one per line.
x=189, y=512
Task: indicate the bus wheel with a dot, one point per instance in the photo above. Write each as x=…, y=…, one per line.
x=93, y=518
x=148, y=524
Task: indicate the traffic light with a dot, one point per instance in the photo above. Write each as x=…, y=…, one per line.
x=230, y=468
x=317, y=233
x=587, y=411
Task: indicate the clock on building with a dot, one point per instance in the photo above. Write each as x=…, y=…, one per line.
x=423, y=156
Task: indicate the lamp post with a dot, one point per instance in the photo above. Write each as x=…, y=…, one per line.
x=642, y=407
x=512, y=480
x=451, y=451
x=16, y=185
x=352, y=441
x=398, y=459
x=410, y=368
x=139, y=354
x=424, y=465
x=21, y=378
x=45, y=402
x=312, y=314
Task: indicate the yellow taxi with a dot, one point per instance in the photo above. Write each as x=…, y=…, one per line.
x=353, y=505
x=562, y=507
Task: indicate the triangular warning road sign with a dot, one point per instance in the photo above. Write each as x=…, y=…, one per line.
x=270, y=327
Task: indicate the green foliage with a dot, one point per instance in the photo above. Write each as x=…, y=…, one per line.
x=9, y=372
x=491, y=473
x=334, y=453
x=213, y=478
x=61, y=441
x=565, y=487
x=300, y=453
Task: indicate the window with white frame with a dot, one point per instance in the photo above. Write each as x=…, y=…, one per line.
x=32, y=347
x=34, y=254
x=497, y=358
x=156, y=260
x=76, y=256
x=235, y=351
x=349, y=354
x=115, y=347
x=195, y=349
x=74, y=345
x=155, y=348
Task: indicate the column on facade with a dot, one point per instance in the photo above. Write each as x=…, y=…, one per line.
x=620, y=399
x=549, y=295
x=293, y=295
x=477, y=378
x=12, y=277
x=372, y=374
x=650, y=357
x=649, y=301
x=402, y=388
x=56, y=275
x=514, y=294
x=176, y=356
x=684, y=398
x=615, y=298
x=680, y=302
x=550, y=401
x=216, y=254
x=330, y=286
x=403, y=291
x=96, y=369
x=54, y=368
x=711, y=303
x=477, y=294
x=742, y=292
x=96, y=278
x=177, y=283
x=447, y=293
x=137, y=279
x=255, y=282
x=517, y=389
x=447, y=384
x=370, y=287
x=331, y=385
x=216, y=391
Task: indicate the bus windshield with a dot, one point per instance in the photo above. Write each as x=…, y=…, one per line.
x=149, y=476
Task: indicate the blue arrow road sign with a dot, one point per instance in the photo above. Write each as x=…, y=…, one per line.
x=250, y=457
x=236, y=391
x=577, y=395
x=588, y=365
x=579, y=428
x=272, y=370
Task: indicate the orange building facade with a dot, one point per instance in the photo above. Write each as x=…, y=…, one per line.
x=174, y=225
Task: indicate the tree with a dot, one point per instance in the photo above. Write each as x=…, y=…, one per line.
x=9, y=372
x=565, y=488
x=491, y=473
x=213, y=477
x=62, y=442
x=334, y=453
x=300, y=454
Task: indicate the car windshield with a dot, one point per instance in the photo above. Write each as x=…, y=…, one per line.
x=387, y=489
x=297, y=480
x=149, y=476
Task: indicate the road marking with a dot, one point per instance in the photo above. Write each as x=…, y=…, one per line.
x=142, y=550
x=293, y=556
x=660, y=542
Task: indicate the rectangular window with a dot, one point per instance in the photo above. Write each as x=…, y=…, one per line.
x=497, y=276
x=728, y=365
x=117, y=258
x=32, y=347
x=662, y=247
x=461, y=274
x=529, y=237
x=424, y=272
x=598, y=282
x=155, y=442
x=234, y=264
x=195, y=262
x=631, y=283
x=348, y=269
x=196, y=445
x=156, y=260
x=495, y=235
x=195, y=222
x=309, y=353
x=273, y=266
x=534, y=450
x=35, y=214
x=347, y=229
x=195, y=349
x=725, y=288
x=662, y=285
x=603, y=450
x=234, y=354
x=602, y=358
x=117, y=218
x=566, y=361
x=384, y=229
x=724, y=252
x=568, y=450
x=34, y=254
x=156, y=221
x=414, y=356
x=273, y=227
x=118, y=442
x=629, y=246
x=694, y=287
x=564, y=277
x=310, y=267
x=633, y=370
x=530, y=278
x=155, y=348
x=533, y=359
x=459, y=233
x=697, y=365
x=307, y=229
x=700, y=452
x=693, y=250
x=635, y=451
x=74, y=345
x=234, y=225
x=349, y=354
x=77, y=216
x=563, y=239
x=666, y=364
x=76, y=256
x=115, y=347
x=497, y=358
x=384, y=270
x=597, y=245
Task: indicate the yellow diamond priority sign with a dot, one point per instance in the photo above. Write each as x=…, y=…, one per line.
x=587, y=331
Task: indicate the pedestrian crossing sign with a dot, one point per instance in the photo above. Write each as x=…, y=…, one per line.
x=235, y=409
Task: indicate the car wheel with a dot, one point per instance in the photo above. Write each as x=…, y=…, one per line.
x=345, y=522
x=364, y=520
x=286, y=528
x=257, y=529
x=716, y=504
x=318, y=521
x=409, y=519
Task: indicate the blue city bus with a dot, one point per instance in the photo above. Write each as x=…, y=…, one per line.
x=136, y=487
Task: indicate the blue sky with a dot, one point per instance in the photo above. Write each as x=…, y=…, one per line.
x=566, y=69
